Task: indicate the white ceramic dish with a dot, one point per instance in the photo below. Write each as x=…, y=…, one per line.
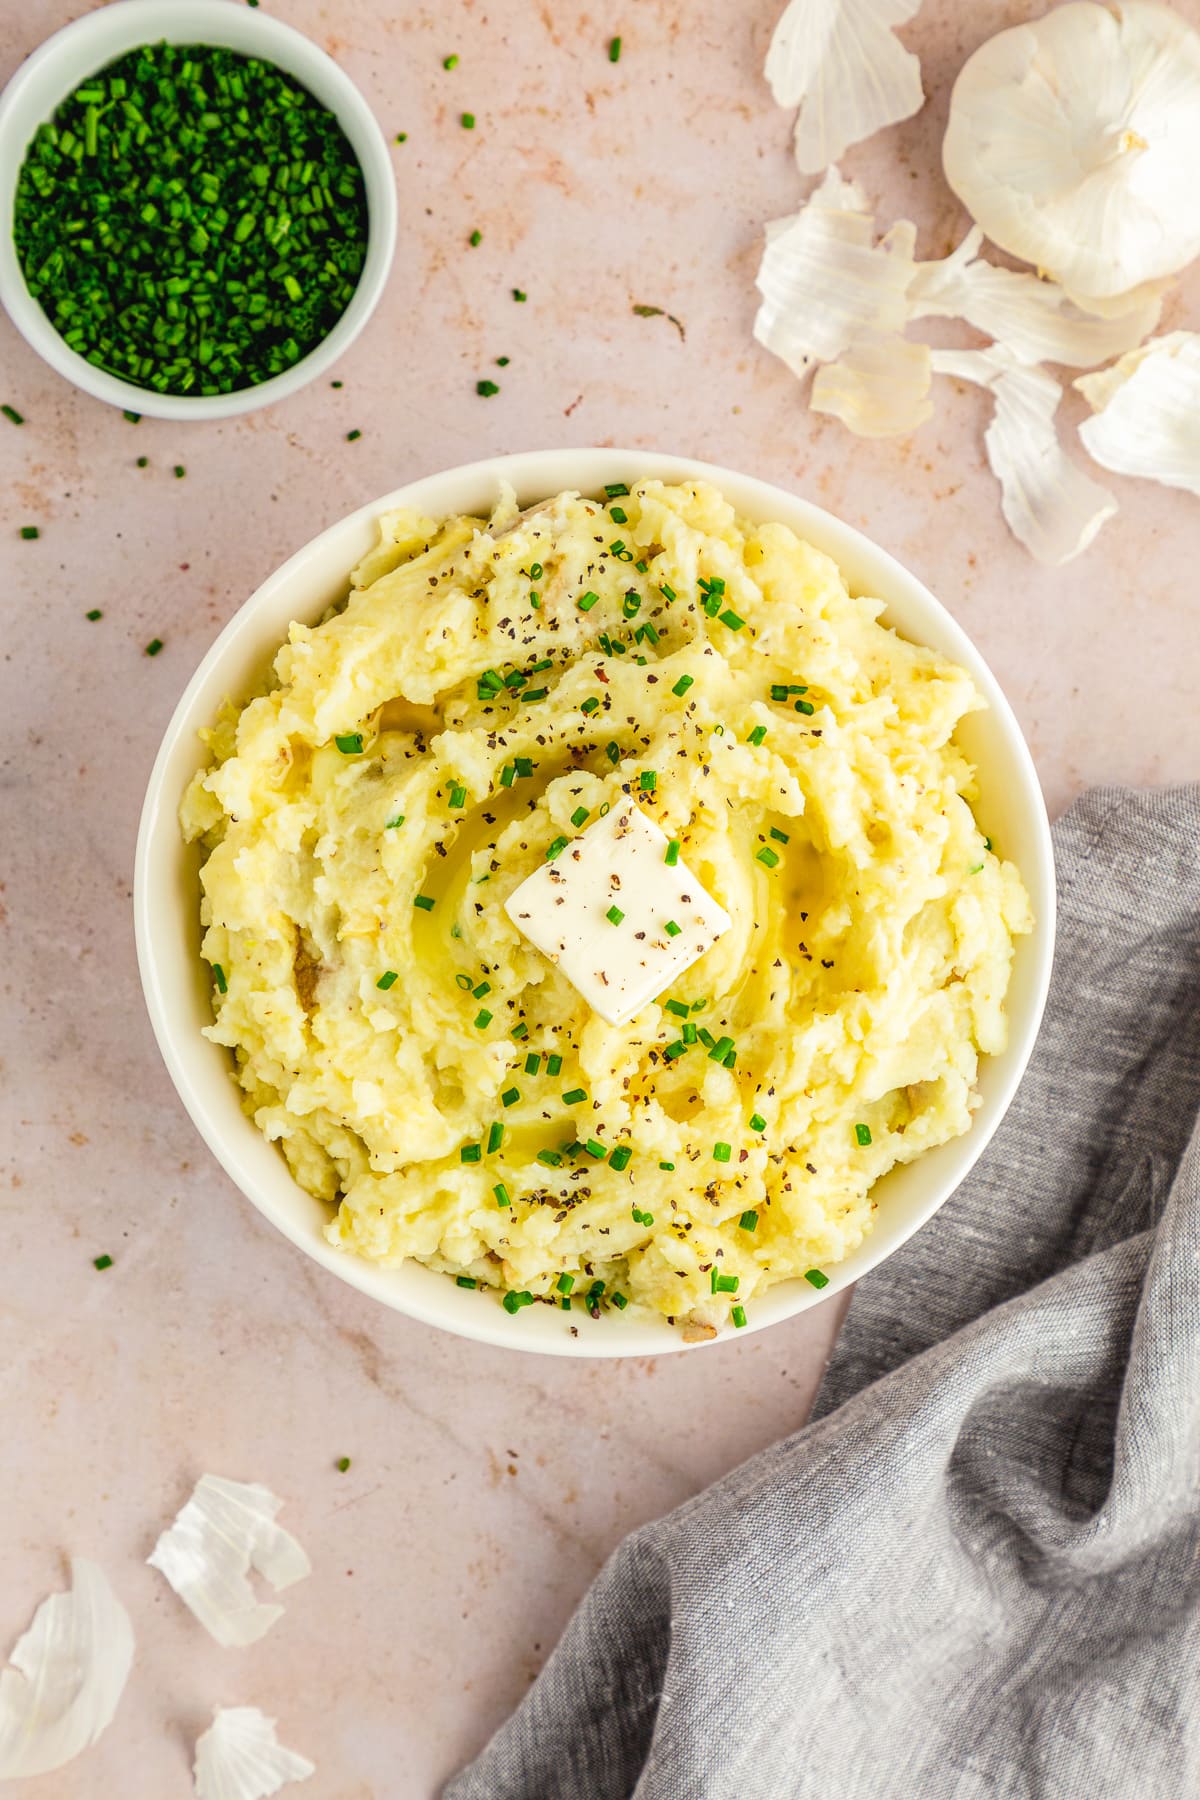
x=177, y=985
x=86, y=46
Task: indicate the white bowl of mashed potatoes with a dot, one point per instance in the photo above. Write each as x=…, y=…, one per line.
x=444, y=694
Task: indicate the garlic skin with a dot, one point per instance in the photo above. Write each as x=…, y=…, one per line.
x=879, y=387
x=1074, y=141
x=1049, y=504
x=1147, y=412
x=824, y=280
x=841, y=64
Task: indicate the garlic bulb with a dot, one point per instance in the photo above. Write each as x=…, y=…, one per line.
x=841, y=64
x=1147, y=412
x=1074, y=141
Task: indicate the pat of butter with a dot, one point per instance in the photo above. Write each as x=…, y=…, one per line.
x=618, y=865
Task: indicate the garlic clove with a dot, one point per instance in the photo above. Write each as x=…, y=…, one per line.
x=1050, y=505
x=1034, y=318
x=879, y=387
x=824, y=280
x=841, y=64
x=1074, y=141
x=1146, y=412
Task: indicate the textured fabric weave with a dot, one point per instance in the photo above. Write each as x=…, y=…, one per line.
x=977, y=1572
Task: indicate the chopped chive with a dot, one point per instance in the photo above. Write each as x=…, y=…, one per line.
x=757, y=1122
x=467, y=1281
x=595, y=1148
x=483, y=1019
x=748, y=1221
x=503, y=1198
x=620, y=1301
x=620, y=1157
x=590, y=705
x=738, y=1315
x=671, y=855
x=343, y=1463
x=179, y=471
x=565, y=1283
x=402, y=137
x=450, y=62
x=781, y=837
x=94, y=614
x=615, y=490
x=683, y=684
x=554, y=1065
x=586, y=601
x=806, y=707
x=618, y=515
x=595, y=1292
x=395, y=823
x=565, y=1303
x=514, y=1302
x=975, y=869
x=573, y=1096
x=477, y=993
x=862, y=1135
x=464, y=981
x=768, y=857
x=134, y=418
x=535, y=694
x=668, y=593
x=987, y=843
x=724, y=1284
x=668, y=1166
x=550, y=1158
x=486, y=388
x=642, y=1218
x=350, y=743
x=675, y=1050
x=12, y=415
x=731, y=619
x=758, y=735
x=154, y=646
x=518, y=295
x=507, y=775
x=510, y=1096
x=29, y=532
x=467, y=121
x=425, y=903
x=817, y=1279
x=556, y=848
x=579, y=816
x=614, y=915
x=352, y=437
x=102, y=1262
x=533, y=1063
x=729, y=1061
x=614, y=50
x=470, y=1153
x=458, y=796
x=495, y=1136
x=219, y=978
x=720, y=1049
x=388, y=979
x=679, y=1008
x=475, y=239
x=689, y=1033
x=647, y=781
x=631, y=605
x=143, y=462
x=722, y=1152
x=613, y=752
x=707, y=1039
x=672, y=929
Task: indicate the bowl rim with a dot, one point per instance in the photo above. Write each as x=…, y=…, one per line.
x=157, y=937
x=109, y=31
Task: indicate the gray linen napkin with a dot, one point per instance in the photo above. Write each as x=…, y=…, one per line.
x=978, y=1571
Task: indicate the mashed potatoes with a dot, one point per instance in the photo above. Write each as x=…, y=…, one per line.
x=487, y=687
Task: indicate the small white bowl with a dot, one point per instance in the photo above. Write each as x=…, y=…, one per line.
x=167, y=895
x=82, y=49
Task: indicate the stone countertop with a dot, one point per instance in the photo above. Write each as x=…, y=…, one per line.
x=485, y=1488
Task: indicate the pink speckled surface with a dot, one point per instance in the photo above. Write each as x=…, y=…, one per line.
x=485, y=1489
